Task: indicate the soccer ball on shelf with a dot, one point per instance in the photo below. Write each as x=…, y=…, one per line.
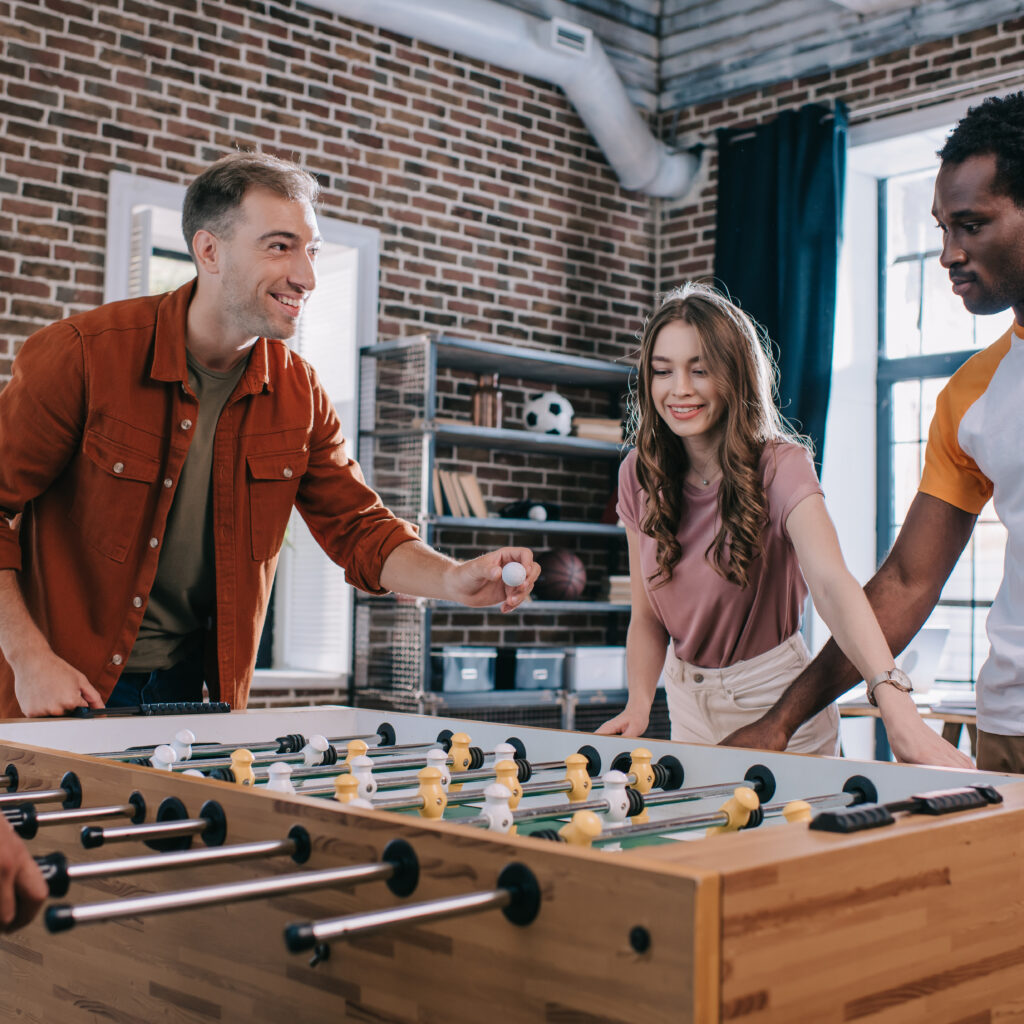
x=547, y=412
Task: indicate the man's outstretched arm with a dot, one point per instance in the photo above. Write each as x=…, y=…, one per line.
x=902, y=593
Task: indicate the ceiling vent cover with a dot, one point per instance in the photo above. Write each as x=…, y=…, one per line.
x=570, y=38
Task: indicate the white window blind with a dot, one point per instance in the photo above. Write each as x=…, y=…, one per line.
x=313, y=603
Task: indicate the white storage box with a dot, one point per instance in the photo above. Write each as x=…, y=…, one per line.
x=595, y=668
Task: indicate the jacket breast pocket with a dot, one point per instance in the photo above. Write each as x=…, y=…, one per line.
x=113, y=483
x=273, y=479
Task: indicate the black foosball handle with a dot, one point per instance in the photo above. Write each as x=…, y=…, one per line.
x=54, y=868
x=185, y=707
x=945, y=801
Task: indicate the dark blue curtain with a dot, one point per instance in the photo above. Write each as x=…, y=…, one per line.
x=778, y=226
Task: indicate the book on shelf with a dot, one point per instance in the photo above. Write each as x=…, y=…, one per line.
x=616, y=590
x=438, y=493
x=597, y=428
x=473, y=495
x=419, y=423
x=453, y=493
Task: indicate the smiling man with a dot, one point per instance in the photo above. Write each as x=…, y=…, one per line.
x=151, y=452
x=974, y=452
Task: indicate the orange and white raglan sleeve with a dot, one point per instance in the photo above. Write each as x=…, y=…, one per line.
x=950, y=474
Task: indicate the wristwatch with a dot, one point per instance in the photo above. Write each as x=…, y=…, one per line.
x=894, y=677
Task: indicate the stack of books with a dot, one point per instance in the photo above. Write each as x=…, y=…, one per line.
x=616, y=590
x=458, y=494
x=598, y=429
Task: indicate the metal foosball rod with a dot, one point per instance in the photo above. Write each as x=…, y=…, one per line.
x=858, y=789
x=497, y=814
x=317, y=752
x=398, y=868
x=758, y=777
x=26, y=820
x=504, y=752
x=517, y=895
x=741, y=811
x=462, y=757
x=326, y=765
x=362, y=768
x=577, y=784
x=69, y=793
x=59, y=874
x=172, y=830
x=384, y=736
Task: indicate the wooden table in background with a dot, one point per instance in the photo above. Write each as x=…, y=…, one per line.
x=952, y=721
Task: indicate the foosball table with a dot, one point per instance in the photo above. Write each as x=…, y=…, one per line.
x=334, y=864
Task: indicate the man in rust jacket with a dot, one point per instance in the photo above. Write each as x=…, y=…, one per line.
x=150, y=454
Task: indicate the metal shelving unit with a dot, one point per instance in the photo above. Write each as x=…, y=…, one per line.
x=398, y=403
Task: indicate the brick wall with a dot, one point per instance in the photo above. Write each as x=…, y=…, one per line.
x=499, y=217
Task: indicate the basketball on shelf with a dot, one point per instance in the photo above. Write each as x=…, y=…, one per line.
x=562, y=576
x=547, y=412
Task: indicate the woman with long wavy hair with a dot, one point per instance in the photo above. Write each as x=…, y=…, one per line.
x=728, y=531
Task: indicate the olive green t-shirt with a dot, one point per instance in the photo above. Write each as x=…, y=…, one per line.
x=183, y=596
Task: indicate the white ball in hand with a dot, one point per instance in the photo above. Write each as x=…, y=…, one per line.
x=513, y=574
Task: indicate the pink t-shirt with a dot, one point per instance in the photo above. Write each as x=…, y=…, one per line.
x=714, y=623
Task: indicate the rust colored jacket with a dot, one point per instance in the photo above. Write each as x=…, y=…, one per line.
x=95, y=425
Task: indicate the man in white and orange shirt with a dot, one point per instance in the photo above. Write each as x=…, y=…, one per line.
x=975, y=448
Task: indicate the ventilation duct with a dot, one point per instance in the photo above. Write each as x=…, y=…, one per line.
x=555, y=51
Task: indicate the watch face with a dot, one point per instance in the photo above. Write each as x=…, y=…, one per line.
x=893, y=677
x=901, y=679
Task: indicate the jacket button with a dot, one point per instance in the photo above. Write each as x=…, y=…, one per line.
x=698, y=678
x=186, y=424
x=154, y=541
x=118, y=467
x=137, y=601
x=168, y=482
x=116, y=659
x=288, y=472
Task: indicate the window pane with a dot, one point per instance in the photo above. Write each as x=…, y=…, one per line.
x=930, y=389
x=903, y=310
x=906, y=411
x=946, y=326
x=955, y=663
x=906, y=475
x=167, y=273
x=911, y=226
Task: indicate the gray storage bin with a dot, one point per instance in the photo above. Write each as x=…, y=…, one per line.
x=462, y=669
x=539, y=668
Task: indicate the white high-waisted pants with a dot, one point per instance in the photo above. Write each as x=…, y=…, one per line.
x=706, y=704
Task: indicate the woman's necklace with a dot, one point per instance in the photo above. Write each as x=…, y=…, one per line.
x=703, y=474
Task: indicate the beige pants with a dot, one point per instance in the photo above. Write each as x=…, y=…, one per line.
x=706, y=704
x=998, y=753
